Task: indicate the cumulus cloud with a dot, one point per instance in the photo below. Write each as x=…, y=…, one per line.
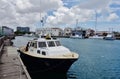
x=113, y=17
x=65, y=16
x=25, y=12
x=85, y=11
x=7, y=12
x=29, y=6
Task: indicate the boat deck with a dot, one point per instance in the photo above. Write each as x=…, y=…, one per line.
x=11, y=66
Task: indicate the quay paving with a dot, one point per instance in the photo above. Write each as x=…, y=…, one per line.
x=10, y=65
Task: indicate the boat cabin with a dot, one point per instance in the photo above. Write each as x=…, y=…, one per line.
x=45, y=47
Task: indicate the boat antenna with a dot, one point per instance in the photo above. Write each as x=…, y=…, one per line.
x=40, y=15
x=41, y=18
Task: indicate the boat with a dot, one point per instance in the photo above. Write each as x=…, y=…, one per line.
x=46, y=55
x=96, y=37
x=76, y=36
x=26, y=35
x=110, y=37
x=29, y=35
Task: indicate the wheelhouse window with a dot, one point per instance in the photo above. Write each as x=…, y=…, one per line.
x=35, y=45
x=42, y=44
x=32, y=44
x=51, y=43
x=58, y=43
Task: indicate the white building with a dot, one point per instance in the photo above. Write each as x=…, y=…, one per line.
x=7, y=31
x=43, y=31
x=51, y=31
x=0, y=31
x=67, y=31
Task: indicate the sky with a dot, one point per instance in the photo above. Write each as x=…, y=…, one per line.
x=102, y=14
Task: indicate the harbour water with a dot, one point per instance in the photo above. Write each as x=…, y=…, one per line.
x=99, y=59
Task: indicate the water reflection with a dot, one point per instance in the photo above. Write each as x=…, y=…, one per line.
x=71, y=74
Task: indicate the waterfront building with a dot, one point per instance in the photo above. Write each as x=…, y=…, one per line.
x=102, y=33
x=90, y=32
x=0, y=31
x=43, y=31
x=57, y=32
x=23, y=29
x=67, y=31
x=7, y=31
x=51, y=31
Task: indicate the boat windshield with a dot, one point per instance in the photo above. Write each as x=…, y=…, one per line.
x=42, y=44
x=51, y=43
x=58, y=43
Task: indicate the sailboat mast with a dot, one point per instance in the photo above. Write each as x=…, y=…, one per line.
x=76, y=24
x=95, y=21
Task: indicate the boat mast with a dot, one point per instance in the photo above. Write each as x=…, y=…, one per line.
x=76, y=24
x=95, y=21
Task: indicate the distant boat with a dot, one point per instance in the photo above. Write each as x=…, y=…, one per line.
x=110, y=37
x=96, y=37
x=29, y=35
x=47, y=55
x=76, y=36
x=26, y=35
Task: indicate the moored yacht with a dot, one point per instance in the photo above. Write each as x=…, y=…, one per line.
x=47, y=55
x=96, y=37
x=110, y=37
x=76, y=36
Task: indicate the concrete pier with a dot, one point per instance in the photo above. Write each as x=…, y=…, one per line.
x=11, y=66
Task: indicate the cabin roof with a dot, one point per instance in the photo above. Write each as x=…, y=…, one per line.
x=43, y=39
